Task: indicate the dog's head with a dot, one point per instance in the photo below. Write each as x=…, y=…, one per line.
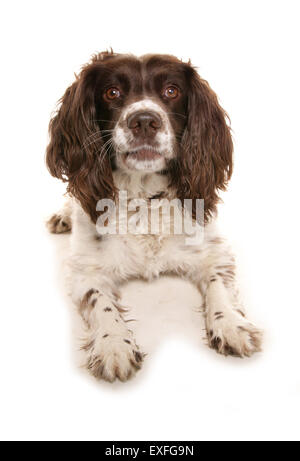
x=149, y=114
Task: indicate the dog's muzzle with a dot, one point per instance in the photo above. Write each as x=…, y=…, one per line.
x=143, y=137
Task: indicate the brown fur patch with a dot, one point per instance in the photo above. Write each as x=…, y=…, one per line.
x=86, y=305
x=87, y=346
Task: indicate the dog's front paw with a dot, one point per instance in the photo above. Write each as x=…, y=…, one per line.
x=59, y=224
x=231, y=333
x=113, y=357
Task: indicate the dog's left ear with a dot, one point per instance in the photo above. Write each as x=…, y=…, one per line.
x=205, y=163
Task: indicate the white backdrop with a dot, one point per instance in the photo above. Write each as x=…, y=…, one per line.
x=249, y=52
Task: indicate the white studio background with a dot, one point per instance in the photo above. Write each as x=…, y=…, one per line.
x=249, y=52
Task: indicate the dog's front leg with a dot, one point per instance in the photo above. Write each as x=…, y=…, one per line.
x=228, y=329
x=212, y=270
x=110, y=348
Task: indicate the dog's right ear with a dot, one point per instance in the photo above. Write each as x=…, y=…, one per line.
x=75, y=138
x=63, y=145
x=76, y=152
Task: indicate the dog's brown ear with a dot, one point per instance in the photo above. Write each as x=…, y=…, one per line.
x=205, y=163
x=75, y=152
x=64, y=149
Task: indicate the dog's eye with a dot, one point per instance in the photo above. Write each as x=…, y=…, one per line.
x=171, y=92
x=112, y=93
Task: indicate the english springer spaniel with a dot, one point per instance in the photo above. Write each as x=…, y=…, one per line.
x=152, y=128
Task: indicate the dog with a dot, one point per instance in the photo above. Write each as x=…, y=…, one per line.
x=152, y=127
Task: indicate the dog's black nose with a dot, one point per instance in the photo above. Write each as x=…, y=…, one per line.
x=144, y=123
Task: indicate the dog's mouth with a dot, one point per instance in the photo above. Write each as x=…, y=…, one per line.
x=143, y=158
x=143, y=154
